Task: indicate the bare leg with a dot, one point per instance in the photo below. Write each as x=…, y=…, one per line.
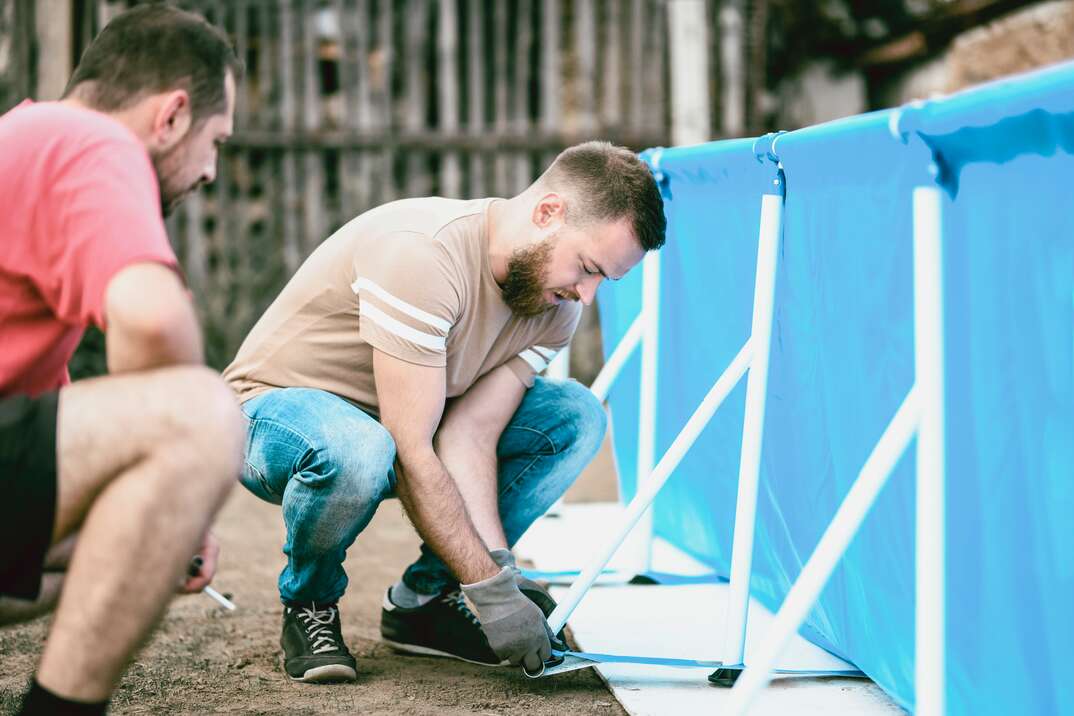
x=145, y=461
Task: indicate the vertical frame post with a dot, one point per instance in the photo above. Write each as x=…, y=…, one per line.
x=929, y=616
x=641, y=555
x=752, y=428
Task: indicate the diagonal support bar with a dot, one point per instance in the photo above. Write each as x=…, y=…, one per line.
x=830, y=549
x=614, y=366
x=650, y=488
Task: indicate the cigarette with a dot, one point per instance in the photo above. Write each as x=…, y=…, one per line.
x=220, y=598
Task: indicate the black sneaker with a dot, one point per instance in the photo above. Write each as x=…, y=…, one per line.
x=313, y=648
x=444, y=626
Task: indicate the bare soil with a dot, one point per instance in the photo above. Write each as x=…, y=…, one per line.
x=204, y=660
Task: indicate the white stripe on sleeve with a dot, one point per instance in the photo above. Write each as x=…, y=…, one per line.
x=364, y=284
x=536, y=362
x=382, y=319
x=547, y=353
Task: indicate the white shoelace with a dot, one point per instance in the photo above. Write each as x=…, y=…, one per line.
x=318, y=626
x=457, y=600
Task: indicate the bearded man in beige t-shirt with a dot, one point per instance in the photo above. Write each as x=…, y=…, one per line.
x=402, y=359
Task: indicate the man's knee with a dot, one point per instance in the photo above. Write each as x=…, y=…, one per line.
x=206, y=418
x=584, y=418
x=361, y=457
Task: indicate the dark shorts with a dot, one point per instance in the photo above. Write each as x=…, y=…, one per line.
x=27, y=490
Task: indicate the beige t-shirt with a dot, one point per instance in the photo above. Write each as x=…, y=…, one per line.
x=411, y=279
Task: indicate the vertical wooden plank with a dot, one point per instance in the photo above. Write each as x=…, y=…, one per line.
x=89, y=28
x=448, y=94
x=363, y=23
x=586, y=49
x=349, y=180
x=417, y=172
x=758, y=55
x=551, y=77
x=501, y=79
x=315, y=200
x=21, y=39
x=688, y=47
x=655, y=72
x=522, y=171
x=195, y=263
x=385, y=99
x=733, y=70
x=225, y=227
x=267, y=113
x=292, y=250
x=637, y=66
x=476, y=106
x=54, y=35
x=242, y=49
x=611, y=110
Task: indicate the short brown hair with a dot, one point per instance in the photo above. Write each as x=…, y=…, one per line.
x=611, y=183
x=156, y=48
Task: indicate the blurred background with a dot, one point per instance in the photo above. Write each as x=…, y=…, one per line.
x=351, y=103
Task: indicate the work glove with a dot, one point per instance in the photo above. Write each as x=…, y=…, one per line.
x=536, y=593
x=515, y=628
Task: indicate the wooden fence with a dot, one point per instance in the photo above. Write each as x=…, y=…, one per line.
x=351, y=103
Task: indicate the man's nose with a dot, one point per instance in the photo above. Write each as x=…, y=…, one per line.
x=587, y=289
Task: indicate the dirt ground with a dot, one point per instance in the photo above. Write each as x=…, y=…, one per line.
x=203, y=660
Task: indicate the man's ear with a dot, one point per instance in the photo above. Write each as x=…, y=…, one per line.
x=551, y=209
x=172, y=119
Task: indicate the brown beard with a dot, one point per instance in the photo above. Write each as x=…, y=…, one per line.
x=523, y=289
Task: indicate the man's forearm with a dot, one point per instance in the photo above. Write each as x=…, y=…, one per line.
x=434, y=504
x=473, y=466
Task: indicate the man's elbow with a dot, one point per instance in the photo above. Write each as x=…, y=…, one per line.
x=146, y=338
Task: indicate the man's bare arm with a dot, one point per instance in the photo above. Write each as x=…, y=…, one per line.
x=150, y=320
x=411, y=404
x=466, y=445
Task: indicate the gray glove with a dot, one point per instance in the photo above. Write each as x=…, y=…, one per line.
x=515, y=627
x=536, y=593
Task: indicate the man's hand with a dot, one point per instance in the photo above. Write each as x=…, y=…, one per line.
x=515, y=627
x=209, y=553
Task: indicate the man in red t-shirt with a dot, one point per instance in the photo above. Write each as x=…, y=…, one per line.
x=109, y=485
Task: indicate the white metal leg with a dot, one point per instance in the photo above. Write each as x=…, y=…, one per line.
x=647, y=492
x=641, y=558
x=614, y=365
x=929, y=628
x=833, y=544
x=753, y=425
x=922, y=412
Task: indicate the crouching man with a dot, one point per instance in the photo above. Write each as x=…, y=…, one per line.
x=402, y=359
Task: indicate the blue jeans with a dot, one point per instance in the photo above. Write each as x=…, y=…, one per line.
x=329, y=465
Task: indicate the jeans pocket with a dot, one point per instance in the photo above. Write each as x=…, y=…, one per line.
x=254, y=481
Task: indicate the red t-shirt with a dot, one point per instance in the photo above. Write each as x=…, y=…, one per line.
x=79, y=201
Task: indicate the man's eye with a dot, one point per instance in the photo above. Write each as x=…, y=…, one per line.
x=590, y=271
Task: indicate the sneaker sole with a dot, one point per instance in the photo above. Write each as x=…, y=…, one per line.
x=426, y=651
x=327, y=674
